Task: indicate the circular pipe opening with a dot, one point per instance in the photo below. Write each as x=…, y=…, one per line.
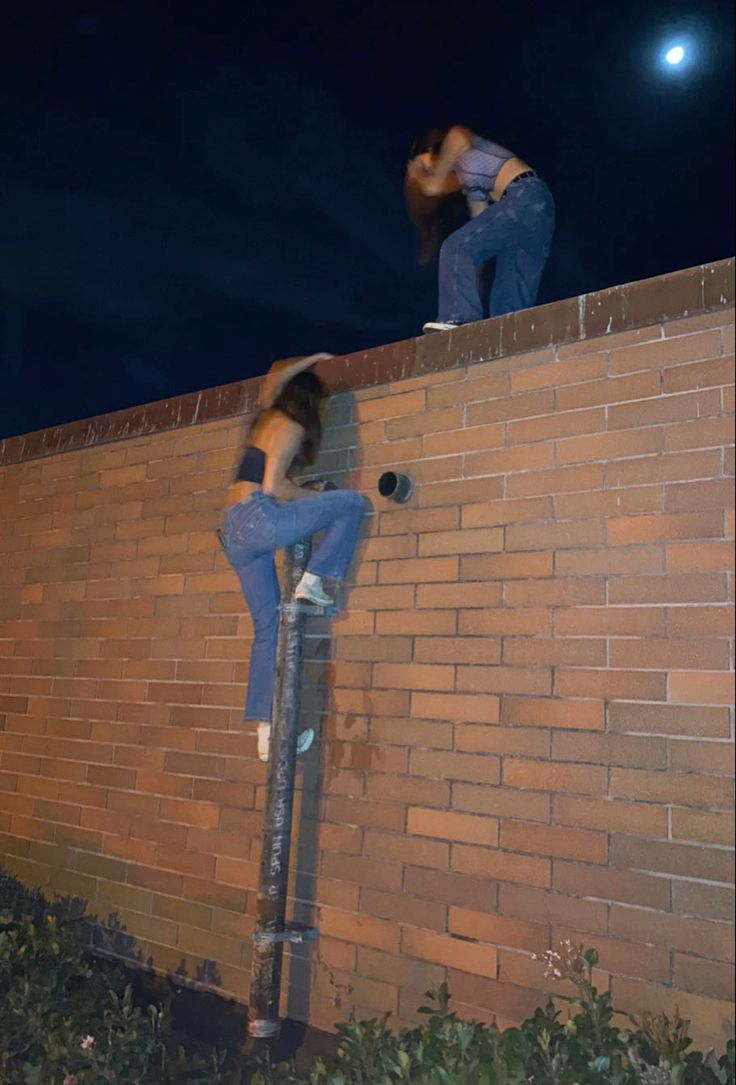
x=395, y=487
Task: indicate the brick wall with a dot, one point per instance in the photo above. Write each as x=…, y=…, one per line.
x=524, y=716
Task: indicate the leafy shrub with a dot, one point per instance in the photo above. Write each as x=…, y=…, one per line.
x=66, y=1019
x=581, y=1047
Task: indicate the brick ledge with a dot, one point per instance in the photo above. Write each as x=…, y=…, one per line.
x=701, y=289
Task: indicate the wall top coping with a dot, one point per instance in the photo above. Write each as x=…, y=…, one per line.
x=701, y=289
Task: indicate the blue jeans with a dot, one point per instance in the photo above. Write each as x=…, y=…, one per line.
x=254, y=530
x=517, y=230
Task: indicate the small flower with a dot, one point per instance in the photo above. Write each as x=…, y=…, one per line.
x=70, y=1079
x=566, y=964
x=87, y=1043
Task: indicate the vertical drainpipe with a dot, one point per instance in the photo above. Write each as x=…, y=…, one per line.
x=271, y=931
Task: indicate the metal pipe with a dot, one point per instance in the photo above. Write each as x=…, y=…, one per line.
x=271, y=933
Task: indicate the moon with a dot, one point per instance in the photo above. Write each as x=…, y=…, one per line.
x=675, y=55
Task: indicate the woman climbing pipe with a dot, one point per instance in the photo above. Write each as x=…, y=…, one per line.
x=267, y=511
x=512, y=218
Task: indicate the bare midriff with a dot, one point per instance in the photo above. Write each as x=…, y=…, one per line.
x=241, y=491
x=509, y=170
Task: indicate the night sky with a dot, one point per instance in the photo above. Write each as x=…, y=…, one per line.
x=190, y=190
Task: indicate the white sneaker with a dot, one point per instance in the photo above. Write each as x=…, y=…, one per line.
x=303, y=742
x=310, y=590
x=440, y=326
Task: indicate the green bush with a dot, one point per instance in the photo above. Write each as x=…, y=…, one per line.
x=67, y=1019
x=582, y=1046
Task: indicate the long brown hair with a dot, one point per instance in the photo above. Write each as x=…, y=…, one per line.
x=433, y=217
x=300, y=399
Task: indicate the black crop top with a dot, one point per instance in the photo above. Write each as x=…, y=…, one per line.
x=252, y=466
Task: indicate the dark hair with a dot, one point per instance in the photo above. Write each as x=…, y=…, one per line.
x=300, y=400
x=433, y=217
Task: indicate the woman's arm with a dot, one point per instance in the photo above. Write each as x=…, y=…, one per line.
x=438, y=179
x=283, y=444
x=281, y=373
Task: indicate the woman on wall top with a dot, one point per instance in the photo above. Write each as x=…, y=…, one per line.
x=512, y=218
x=268, y=511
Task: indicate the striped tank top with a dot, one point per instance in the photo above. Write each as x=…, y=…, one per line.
x=479, y=166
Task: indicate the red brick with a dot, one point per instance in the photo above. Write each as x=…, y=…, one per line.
x=614, y=817
x=525, y=510
x=610, y=621
x=550, y=712
x=462, y=491
x=715, y=758
x=515, y=741
x=667, y=352
x=526, y=903
x=511, y=407
x=605, y=884
x=509, y=460
x=705, y=433
x=413, y=676
x=507, y=566
x=541, y=652
x=703, y=826
x=555, y=776
x=691, y=687
x=703, y=621
x=459, y=595
x=408, y=789
x=655, y=412
x=610, y=749
x=631, y=501
x=457, y=650
x=669, y=720
x=416, y=976
x=704, y=977
x=500, y=802
x=562, y=591
x=609, y=446
x=669, y=467
x=584, y=845
x=608, y=390
x=498, y=622
x=391, y=406
x=415, y=521
x=559, y=424
x=469, y=541
x=570, y=535
x=664, y=857
x=557, y=480
x=498, y=930
x=706, y=494
x=708, y=374
x=503, y=680
x=472, y=708
x=506, y=867
x=704, y=901
x=450, y=826
x=683, y=789
x=559, y=373
x=464, y=440
x=639, y=529
x=612, y=685
x=444, y=949
x=451, y=888
x=419, y=570
x=455, y=766
x=700, y=557
x=360, y=929
x=673, y=588
x=692, y=935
